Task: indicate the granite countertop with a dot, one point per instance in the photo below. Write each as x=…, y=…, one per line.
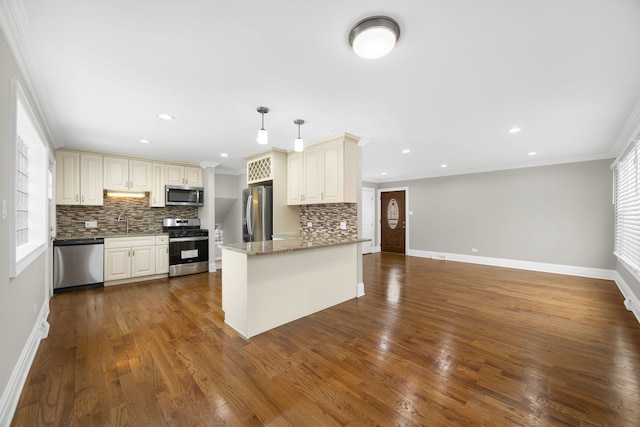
x=288, y=245
x=109, y=235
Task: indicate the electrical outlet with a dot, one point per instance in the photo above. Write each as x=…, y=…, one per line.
x=91, y=224
x=343, y=225
x=309, y=224
x=474, y=249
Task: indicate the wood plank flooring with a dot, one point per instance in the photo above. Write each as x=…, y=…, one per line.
x=432, y=343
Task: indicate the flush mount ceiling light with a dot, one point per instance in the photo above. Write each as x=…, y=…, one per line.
x=263, y=136
x=298, y=144
x=374, y=37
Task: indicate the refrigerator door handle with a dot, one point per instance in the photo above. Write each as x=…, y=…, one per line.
x=249, y=214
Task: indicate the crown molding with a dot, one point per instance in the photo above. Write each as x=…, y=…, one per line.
x=207, y=164
x=630, y=131
x=15, y=27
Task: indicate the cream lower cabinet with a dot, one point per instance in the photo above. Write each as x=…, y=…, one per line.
x=162, y=254
x=133, y=257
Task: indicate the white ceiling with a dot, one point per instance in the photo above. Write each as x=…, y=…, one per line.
x=462, y=74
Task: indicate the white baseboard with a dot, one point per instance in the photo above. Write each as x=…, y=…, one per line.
x=212, y=267
x=360, y=290
x=11, y=394
x=631, y=300
x=596, y=273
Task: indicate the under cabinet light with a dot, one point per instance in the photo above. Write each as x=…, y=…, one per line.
x=124, y=194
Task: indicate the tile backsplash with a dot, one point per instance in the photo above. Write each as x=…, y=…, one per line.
x=142, y=218
x=325, y=220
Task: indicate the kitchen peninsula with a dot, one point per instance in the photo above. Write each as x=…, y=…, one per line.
x=267, y=284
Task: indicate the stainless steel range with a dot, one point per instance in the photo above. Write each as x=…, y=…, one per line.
x=188, y=246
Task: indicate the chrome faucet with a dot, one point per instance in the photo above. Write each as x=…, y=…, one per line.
x=126, y=218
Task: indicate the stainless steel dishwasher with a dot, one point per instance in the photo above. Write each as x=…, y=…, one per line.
x=78, y=264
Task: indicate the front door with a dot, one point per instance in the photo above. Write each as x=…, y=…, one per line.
x=392, y=221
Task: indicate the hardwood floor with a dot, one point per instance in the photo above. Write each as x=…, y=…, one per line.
x=432, y=343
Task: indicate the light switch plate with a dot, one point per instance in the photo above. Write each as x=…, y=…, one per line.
x=343, y=225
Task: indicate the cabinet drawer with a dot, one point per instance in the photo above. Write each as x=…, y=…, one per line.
x=162, y=240
x=128, y=242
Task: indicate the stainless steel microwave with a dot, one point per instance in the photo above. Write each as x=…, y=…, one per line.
x=182, y=195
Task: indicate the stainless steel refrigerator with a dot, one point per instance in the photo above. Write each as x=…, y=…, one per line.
x=257, y=214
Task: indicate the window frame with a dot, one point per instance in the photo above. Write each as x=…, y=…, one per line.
x=20, y=259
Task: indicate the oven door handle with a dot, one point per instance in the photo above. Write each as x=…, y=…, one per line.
x=187, y=239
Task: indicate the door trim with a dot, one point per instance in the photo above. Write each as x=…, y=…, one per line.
x=407, y=247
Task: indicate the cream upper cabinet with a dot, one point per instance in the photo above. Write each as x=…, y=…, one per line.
x=156, y=198
x=78, y=178
x=140, y=175
x=127, y=174
x=193, y=176
x=326, y=174
x=295, y=179
x=183, y=175
x=312, y=176
x=332, y=173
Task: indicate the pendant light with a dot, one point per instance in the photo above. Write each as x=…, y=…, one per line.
x=263, y=136
x=374, y=37
x=298, y=144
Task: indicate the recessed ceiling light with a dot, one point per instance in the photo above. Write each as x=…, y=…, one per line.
x=444, y=165
x=145, y=141
x=165, y=116
x=531, y=153
x=406, y=151
x=514, y=129
x=224, y=155
x=383, y=173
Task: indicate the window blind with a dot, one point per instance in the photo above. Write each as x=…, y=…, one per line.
x=627, y=207
x=22, y=193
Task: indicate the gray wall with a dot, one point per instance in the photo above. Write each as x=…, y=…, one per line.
x=559, y=214
x=17, y=296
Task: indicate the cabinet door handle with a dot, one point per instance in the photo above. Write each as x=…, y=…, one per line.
x=129, y=253
x=82, y=198
x=322, y=196
x=76, y=197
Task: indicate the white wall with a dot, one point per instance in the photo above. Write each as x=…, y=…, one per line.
x=23, y=299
